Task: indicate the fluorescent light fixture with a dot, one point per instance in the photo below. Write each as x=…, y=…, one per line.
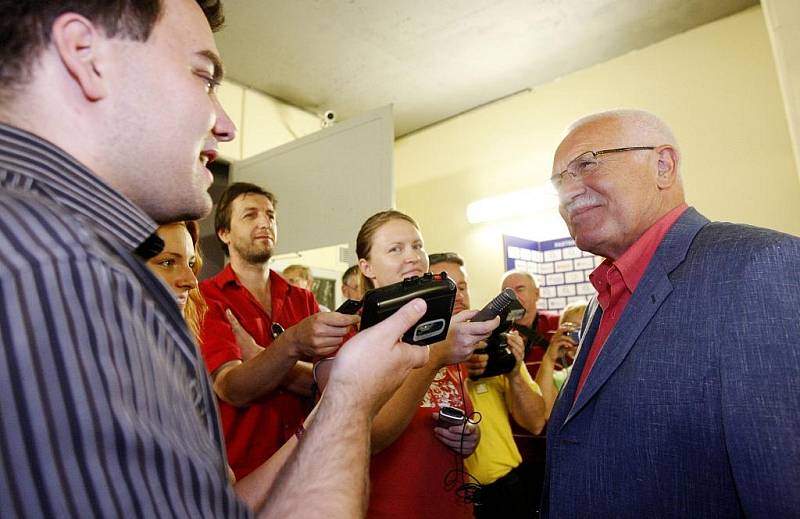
x=515, y=204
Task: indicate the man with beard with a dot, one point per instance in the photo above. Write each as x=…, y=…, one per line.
x=261, y=398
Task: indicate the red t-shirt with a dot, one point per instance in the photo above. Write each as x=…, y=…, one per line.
x=407, y=479
x=253, y=433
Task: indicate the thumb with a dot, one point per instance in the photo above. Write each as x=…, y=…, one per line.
x=397, y=324
x=463, y=315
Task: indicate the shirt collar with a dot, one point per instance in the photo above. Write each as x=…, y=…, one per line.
x=49, y=171
x=634, y=261
x=278, y=286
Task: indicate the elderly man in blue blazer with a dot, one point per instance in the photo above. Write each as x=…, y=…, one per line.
x=684, y=399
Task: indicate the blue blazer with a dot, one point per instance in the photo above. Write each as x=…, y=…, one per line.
x=692, y=408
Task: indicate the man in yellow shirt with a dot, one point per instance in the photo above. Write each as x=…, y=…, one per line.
x=495, y=462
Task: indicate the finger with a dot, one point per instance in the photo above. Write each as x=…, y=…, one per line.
x=515, y=340
x=398, y=323
x=463, y=315
x=482, y=328
x=337, y=319
x=325, y=330
x=234, y=322
x=445, y=436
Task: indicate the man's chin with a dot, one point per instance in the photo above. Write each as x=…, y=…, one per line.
x=164, y=212
x=257, y=257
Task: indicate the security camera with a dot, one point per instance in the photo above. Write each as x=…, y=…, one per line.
x=329, y=116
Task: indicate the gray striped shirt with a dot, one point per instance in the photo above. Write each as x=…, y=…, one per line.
x=105, y=406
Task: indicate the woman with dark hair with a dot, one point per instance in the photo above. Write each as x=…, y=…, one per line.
x=411, y=457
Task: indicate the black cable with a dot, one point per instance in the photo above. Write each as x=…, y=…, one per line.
x=466, y=486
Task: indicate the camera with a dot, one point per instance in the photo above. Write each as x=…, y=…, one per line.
x=329, y=116
x=575, y=335
x=501, y=360
x=438, y=291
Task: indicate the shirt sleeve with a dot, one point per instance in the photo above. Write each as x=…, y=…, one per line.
x=217, y=342
x=526, y=376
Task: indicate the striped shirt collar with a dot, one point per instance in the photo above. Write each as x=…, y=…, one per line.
x=47, y=170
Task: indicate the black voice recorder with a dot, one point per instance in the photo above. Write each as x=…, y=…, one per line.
x=438, y=291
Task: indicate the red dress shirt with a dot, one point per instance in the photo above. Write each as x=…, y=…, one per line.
x=252, y=433
x=615, y=282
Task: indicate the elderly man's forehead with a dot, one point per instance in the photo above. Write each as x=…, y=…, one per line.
x=615, y=128
x=592, y=135
x=604, y=130
x=518, y=280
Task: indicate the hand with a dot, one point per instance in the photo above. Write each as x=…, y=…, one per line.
x=562, y=346
x=371, y=366
x=516, y=345
x=250, y=348
x=319, y=335
x=477, y=362
x=463, y=439
x=462, y=339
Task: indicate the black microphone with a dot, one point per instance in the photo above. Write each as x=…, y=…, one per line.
x=496, y=306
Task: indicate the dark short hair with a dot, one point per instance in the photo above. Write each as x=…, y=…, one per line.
x=26, y=27
x=445, y=257
x=222, y=215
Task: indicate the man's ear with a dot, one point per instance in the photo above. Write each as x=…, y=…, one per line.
x=667, y=166
x=223, y=236
x=78, y=44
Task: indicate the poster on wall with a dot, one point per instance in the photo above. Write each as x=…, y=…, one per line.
x=560, y=269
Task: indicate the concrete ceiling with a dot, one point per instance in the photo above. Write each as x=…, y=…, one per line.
x=435, y=59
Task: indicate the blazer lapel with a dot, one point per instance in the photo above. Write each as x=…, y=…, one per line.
x=590, y=325
x=653, y=289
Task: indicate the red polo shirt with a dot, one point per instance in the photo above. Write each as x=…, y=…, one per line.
x=615, y=282
x=253, y=433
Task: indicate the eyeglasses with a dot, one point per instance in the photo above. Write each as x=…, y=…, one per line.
x=586, y=163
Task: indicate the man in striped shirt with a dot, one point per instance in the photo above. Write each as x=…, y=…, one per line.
x=108, y=117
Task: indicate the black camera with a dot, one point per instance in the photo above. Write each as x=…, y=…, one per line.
x=501, y=360
x=438, y=291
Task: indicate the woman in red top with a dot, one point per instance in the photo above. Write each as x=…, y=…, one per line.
x=411, y=457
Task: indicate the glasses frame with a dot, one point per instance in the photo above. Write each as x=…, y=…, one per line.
x=558, y=179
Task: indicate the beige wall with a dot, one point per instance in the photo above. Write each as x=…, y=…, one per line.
x=262, y=122
x=717, y=87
